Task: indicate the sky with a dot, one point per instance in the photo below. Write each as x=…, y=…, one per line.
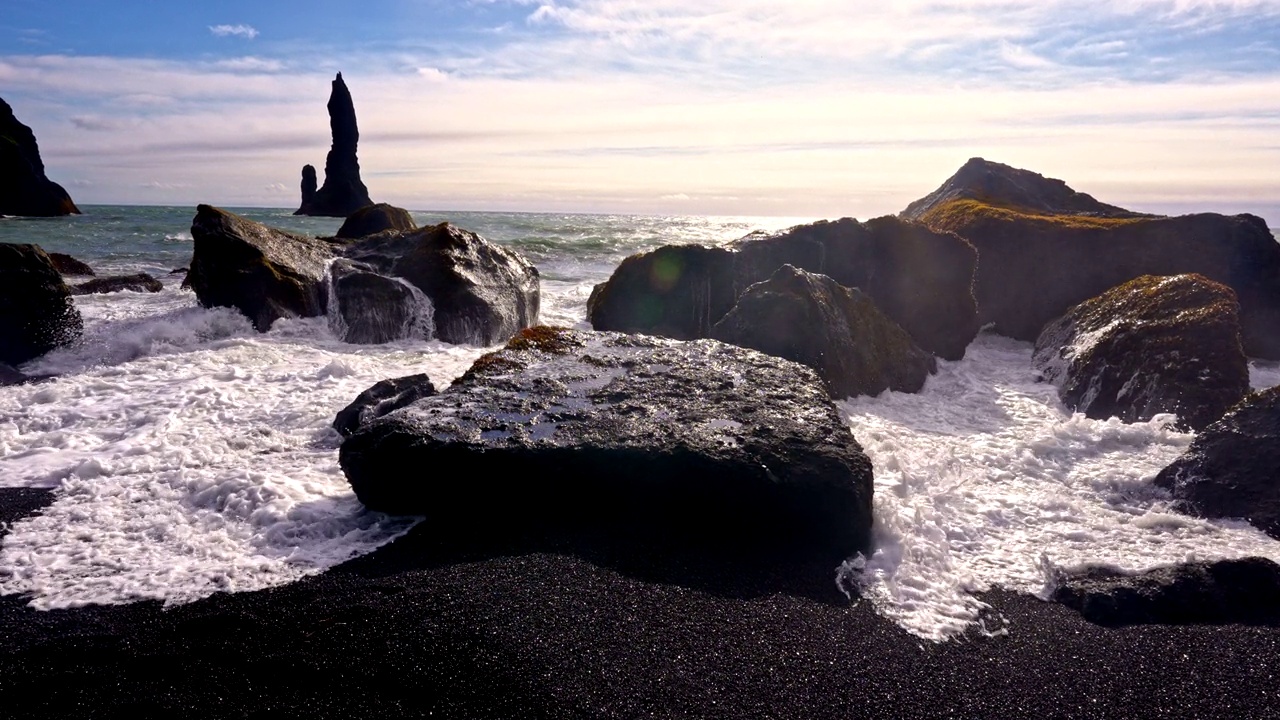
x=813, y=108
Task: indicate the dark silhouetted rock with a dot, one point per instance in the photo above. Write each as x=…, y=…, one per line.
x=24, y=189
x=1232, y=468
x=1152, y=345
x=265, y=273
x=676, y=291
x=67, y=265
x=920, y=279
x=481, y=293
x=10, y=375
x=372, y=308
x=839, y=332
x=1043, y=248
x=375, y=219
x=691, y=446
x=382, y=398
x=138, y=282
x=342, y=192
x=36, y=310
x=1245, y=591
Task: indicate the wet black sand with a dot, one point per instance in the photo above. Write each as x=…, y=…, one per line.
x=448, y=628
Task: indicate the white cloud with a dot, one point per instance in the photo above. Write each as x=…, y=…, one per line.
x=245, y=31
x=433, y=74
x=250, y=64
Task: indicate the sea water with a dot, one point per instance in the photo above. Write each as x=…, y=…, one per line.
x=191, y=454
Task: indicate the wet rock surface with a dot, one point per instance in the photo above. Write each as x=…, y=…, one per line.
x=382, y=398
x=1232, y=468
x=375, y=219
x=920, y=279
x=36, y=310
x=138, y=282
x=695, y=446
x=837, y=331
x=1152, y=345
x=24, y=188
x=1244, y=591
x=1044, y=248
x=68, y=265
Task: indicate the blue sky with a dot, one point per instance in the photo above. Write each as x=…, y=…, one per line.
x=800, y=108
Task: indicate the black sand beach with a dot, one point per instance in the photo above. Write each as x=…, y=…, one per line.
x=426, y=627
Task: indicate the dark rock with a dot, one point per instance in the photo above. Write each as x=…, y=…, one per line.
x=179, y=271
x=36, y=310
x=68, y=265
x=373, y=308
x=481, y=293
x=382, y=398
x=343, y=192
x=692, y=446
x=837, y=331
x=265, y=273
x=10, y=375
x=920, y=279
x=1232, y=468
x=138, y=282
x=1244, y=591
x=24, y=189
x=1152, y=345
x=375, y=219
x=676, y=291
x=1044, y=248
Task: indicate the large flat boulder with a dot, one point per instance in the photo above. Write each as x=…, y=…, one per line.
x=481, y=293
x=263, y=272
x=36, y=310
x=699, y=446
x=1232, y=468
x=24, y=187
x=1152, y=345
x=920, y=279
x=1043, y=248
x=838, y=331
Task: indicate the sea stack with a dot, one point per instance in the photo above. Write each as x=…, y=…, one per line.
x=24, y=189
x=343, y=192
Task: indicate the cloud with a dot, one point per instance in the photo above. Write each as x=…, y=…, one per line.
x=250, y=64
x=433, y=74
x=247, y=32
x=676, y=196
x=277, y=188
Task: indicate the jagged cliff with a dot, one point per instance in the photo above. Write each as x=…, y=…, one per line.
x=24, y=189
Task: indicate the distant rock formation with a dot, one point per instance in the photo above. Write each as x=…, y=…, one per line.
x=920, y=279
x=691, y=447
x=36, y=310
x=1152, y=345
x=1232, y=468
x=374, y=219
x=343, y=192
x=1042, y=248
x=138, y=282
x=838, y=331
x=24, y=189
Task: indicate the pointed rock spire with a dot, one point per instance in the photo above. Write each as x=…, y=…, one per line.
x=343, y=192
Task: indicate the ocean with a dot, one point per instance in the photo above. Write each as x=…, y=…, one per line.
x=192, y=455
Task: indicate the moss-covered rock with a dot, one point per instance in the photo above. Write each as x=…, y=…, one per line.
x=1152, y=345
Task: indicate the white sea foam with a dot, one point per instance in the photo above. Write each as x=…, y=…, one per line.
x=984, y=480
x=191, y=454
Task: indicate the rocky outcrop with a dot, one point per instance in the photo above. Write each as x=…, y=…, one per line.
x=837, y=331
x=24, y=188
x=1244, y=591
x=1043, y=248
x=676, y=291
x=342, y=192
x=375, y=219
x=138, y=282
x=382, y=398
x=920, y=279
x=480, y=293
x=265, y=273
x=36, y=311
x=691, y=446
x=1232, y=468
x=1152, y=345
x=67, y=265
x=439, y=282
